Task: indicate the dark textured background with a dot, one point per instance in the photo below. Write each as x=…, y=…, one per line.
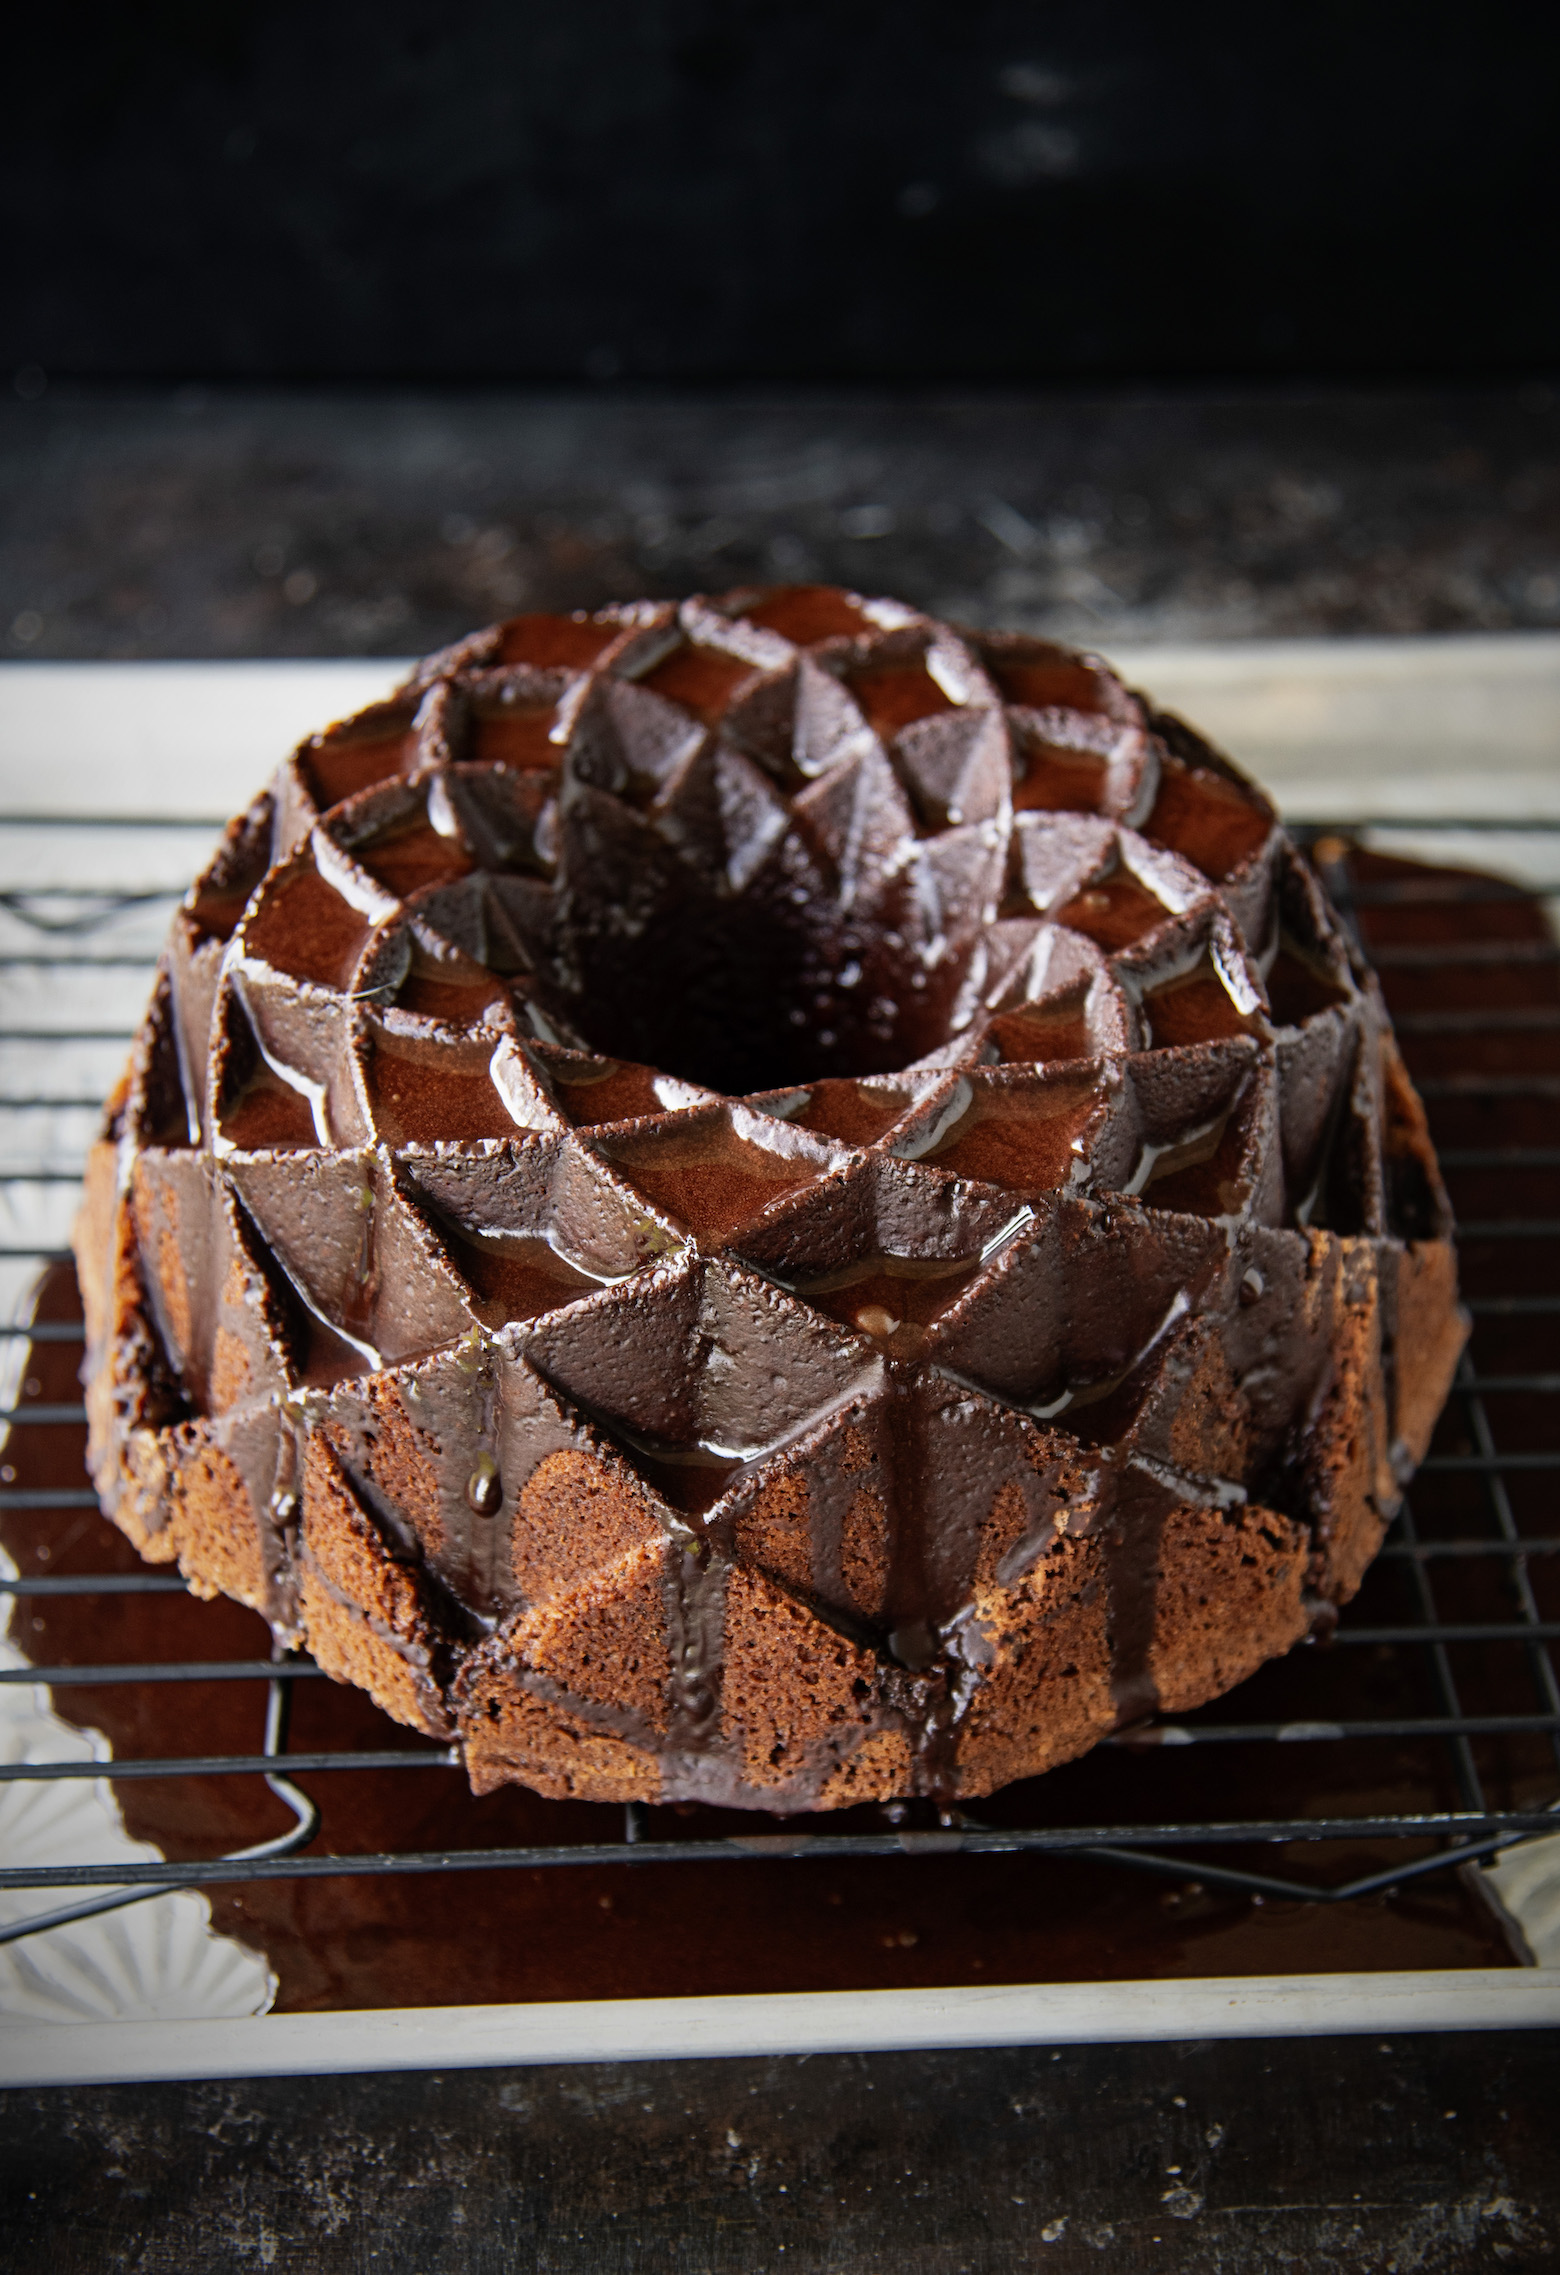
x=709, y=190
x=201, y=521
x=1421, y=2156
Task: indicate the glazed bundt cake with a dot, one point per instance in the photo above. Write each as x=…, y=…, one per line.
x=765, y=1202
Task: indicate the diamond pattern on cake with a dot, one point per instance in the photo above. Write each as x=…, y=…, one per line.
x=701, y=1369
x=717, y=1169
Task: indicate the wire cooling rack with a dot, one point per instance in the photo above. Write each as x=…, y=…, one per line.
x=75, y=964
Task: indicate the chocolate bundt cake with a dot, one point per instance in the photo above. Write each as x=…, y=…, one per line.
x=765, y=1202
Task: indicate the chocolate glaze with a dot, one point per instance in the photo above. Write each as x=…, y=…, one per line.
x=768, y=1208
x=784, y=1925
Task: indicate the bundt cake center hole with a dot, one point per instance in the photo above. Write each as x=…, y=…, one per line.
x=743, y=1000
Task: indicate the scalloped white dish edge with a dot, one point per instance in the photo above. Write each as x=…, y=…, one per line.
x=153, y=1961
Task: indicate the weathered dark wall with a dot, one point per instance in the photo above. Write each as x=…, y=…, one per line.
x=191, y=522
x=1338, y=2157
x=714, y=189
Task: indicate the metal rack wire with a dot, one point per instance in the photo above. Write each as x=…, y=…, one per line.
x=64, y=946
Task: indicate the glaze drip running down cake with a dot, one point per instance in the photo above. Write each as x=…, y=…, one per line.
x=765, y=1202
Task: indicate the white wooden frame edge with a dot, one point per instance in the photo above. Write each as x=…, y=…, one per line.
x=807, y=2022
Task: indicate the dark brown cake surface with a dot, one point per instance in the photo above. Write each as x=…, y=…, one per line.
x=765, y=1202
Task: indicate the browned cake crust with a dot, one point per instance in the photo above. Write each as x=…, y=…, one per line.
x=765, y=1202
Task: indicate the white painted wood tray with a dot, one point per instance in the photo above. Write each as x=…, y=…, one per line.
x=1404, y=730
